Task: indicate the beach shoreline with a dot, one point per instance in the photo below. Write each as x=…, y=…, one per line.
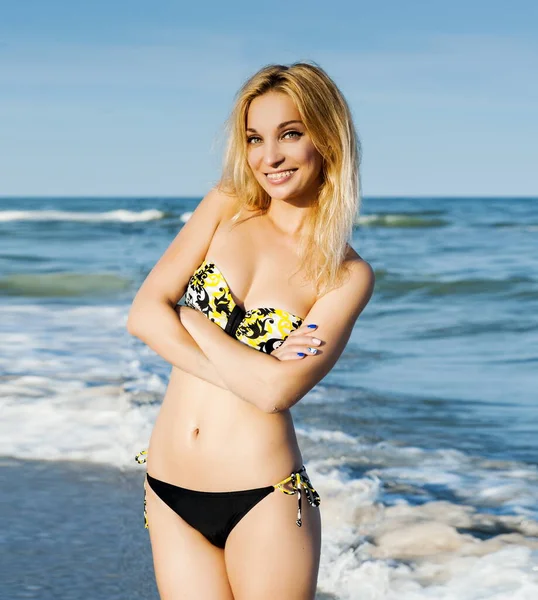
x=61, y=514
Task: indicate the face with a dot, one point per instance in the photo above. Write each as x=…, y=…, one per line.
x=280, y=152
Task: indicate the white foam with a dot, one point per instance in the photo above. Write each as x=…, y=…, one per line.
x=77, y=386
x=364, y=543
x=120, y=215
x=323, y=435
x=399, y=220
x=508, y=574
x=503, y=485
x=93, y=425
x=65, y=393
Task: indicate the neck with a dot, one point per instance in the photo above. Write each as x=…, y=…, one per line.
x=287, y=217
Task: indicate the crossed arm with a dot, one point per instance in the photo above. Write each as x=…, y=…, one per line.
x=199, y=347
x=166, y=335
x=263, y=380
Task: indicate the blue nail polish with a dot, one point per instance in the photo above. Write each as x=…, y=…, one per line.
x=311, y=326
x=301, y=354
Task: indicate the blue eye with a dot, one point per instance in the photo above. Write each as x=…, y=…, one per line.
x=290, y=135
x=294, y=134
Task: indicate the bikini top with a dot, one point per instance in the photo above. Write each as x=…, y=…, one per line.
x=262, y=328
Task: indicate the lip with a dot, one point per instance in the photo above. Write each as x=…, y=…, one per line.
x=280, y=181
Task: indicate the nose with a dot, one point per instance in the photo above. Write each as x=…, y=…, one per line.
x=272, y=155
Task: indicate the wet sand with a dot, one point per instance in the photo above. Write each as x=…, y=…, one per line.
x=73, y=531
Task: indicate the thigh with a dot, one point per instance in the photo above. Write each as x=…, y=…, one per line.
x=187, y=566
x=268, y=556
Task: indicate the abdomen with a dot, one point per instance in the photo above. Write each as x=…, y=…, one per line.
x=208, y=439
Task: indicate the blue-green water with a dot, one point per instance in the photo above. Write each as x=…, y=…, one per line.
x=433, y=400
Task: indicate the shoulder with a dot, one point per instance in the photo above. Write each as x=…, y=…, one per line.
x=220, y=203
x=358, y=281
x=344, y=303
x=361, y=273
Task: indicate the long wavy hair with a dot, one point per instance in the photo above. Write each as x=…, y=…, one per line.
x=327, y=118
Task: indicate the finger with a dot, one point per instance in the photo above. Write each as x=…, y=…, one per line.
x=306, y=327
x=303, y=340
x=301, y=349
x=307, y=340
x=290, y=356
x=301, y=355
x=303, y=330
x=294, y=350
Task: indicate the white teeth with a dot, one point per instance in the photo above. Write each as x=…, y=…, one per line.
x=278, y=176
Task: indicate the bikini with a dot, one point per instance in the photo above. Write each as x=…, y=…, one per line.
x=215, y=514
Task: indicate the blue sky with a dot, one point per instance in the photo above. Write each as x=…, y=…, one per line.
x=130, y=97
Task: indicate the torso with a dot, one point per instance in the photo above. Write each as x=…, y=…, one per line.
x=205, y=437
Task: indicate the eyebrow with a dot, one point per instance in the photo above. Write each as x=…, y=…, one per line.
x=281, y=126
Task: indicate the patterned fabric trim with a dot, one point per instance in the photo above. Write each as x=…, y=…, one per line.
x=264, y=329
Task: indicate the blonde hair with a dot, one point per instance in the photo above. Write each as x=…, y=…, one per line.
x=327, y=118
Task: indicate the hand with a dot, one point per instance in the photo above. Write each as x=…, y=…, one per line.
x=184, y=313
x=178, y=308
x=298, y=345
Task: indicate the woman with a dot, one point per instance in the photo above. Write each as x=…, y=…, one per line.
x=272, y=291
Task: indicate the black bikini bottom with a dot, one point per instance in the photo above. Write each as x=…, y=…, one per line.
x=215, y=514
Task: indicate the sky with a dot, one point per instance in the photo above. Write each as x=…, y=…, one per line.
x=130, y=98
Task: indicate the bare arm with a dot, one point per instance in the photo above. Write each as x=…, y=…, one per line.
x=152, y=317
x=166, y=335
x=246, y=371
x=274, y=385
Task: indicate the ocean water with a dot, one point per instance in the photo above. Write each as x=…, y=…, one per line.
x=422, y=441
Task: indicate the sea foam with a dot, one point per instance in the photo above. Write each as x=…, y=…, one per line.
x=121, y=215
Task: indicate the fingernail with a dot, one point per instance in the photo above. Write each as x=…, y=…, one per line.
x=311, y=326
x=316, y=341
x=301, y=354
x=312, y=350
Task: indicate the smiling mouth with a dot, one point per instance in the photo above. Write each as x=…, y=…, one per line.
x=280, y=175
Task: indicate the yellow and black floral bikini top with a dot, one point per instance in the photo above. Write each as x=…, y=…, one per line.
x=264, y=329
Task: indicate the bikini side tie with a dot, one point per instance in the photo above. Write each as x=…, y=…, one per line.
x=141, y=458
x=299, y=479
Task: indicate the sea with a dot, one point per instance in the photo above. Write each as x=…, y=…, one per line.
x=422, y=441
